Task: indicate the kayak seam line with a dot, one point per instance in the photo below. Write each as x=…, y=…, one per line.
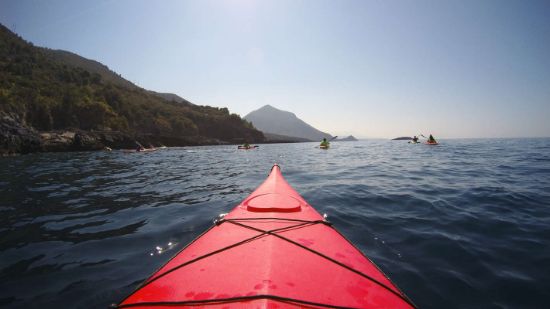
x=273, y=232
x=380, y=270
x=399, y=295
x=325, y=222
x=141, y=285
x=217, y=222
x=222, y=249
x=233, y=299
x=151, y=280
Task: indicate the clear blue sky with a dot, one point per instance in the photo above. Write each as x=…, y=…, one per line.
x=369, y=68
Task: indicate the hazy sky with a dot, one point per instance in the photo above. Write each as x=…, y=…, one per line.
x=368, y=68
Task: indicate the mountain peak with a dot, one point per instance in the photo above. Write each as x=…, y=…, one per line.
x=269, y=119
x=272, y=109
x=268, y=107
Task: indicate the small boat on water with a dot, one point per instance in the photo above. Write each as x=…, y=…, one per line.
x=139, y=150
x=247, y=147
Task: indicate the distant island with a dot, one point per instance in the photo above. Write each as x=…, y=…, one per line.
x=350, y=138
x=403, y=138
x=54, y=100
x=276, y=122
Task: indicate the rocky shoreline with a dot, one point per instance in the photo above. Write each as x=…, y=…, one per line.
x=18, y=138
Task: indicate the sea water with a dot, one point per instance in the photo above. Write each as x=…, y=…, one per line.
x=465, y=224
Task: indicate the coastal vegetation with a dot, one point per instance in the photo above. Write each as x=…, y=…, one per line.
x=50, y=90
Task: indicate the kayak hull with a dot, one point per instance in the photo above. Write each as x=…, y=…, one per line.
x=247, y=148
x=273, y=249
x=143, y=150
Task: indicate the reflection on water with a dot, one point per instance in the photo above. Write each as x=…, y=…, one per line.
x=464, y=224
x=160, y=249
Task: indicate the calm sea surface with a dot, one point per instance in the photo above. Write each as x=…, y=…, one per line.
x=465, y=224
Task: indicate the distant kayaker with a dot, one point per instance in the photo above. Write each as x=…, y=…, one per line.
x=415, y=139
x=324, y=143
x=431, y=139
x=246, y=145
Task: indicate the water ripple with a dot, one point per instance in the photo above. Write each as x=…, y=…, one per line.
x=462, y=225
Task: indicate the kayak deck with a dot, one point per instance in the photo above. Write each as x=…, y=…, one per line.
x=273, y=249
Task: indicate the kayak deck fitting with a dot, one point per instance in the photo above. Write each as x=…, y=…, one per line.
x=272, y=250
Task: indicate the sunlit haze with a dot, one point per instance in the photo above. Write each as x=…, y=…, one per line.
x=367, y=68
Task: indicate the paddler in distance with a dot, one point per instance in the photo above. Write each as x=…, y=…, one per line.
x=431, y=140
x=139, y=147
x=324, y=143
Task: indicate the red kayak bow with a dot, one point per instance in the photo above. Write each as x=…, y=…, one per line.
x=272, y=251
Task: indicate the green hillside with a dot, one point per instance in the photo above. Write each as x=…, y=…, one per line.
x=59, y=90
